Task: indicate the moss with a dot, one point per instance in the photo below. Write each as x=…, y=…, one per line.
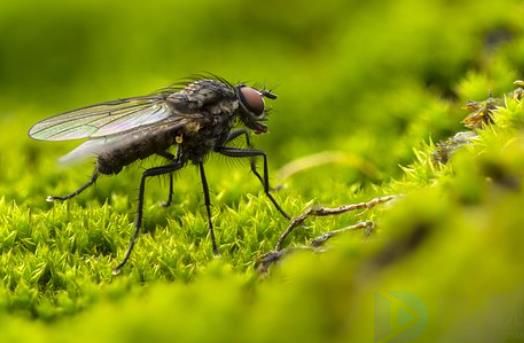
x=372, y=95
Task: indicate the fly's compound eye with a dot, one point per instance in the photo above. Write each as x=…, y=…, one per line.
x=253, y=101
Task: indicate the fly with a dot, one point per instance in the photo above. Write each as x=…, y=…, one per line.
x=198, y=117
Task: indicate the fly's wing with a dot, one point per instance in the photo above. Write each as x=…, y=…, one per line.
x=100, y=145
x=103, y=119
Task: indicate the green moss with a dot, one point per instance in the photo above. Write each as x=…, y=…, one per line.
x=367, y=93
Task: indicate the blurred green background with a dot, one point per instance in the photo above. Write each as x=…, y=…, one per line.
x=350, y=74
x=369, y=84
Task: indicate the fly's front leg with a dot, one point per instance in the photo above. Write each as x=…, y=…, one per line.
x=82, y=188
x=253, y=153
x=252, y=162
x=237, y=133
x=157, y=171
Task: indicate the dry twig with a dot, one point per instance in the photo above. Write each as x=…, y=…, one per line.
x=319, y=211
x=274, y=256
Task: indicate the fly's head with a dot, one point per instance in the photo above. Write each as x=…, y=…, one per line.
x=252, y=108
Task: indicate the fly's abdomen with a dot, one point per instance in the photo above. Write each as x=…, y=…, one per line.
x=139, y=147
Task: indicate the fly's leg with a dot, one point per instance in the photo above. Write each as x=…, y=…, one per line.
x=252, y=162
x=91, y=181
x=169, y=156
x=237, y=133
x=157, y=171
x=169, y=200
x=208, y=207
x=253, y=153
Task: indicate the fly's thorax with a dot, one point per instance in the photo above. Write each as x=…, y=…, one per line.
x=226, y=108
x=201, y=137
x=201, y=95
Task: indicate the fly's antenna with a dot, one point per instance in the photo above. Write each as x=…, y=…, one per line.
x=268, y=94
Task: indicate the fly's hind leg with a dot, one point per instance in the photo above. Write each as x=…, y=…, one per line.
x=91, y=181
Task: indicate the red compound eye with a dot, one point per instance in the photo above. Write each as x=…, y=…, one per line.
x=253, y=100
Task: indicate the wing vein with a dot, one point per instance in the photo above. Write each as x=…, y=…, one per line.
x=103, y=119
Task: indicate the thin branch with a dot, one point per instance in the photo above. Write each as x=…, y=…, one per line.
x=319, y=211
x=320, y=240
x=274, y=256
x=264, y=262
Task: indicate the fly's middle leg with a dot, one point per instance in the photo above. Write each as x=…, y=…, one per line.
x=208, y=207
x=169, y=200
x=157, y=171
x=82, y=188
x=170, y=157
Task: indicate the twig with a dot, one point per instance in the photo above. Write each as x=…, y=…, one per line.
x=319, y=211
x=274, y=256
x=264, y=262
x=320, y=240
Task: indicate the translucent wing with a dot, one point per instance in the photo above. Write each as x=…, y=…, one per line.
x=103, y=119
x=100, y=145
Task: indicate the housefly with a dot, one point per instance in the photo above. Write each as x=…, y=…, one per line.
x=198, y=116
